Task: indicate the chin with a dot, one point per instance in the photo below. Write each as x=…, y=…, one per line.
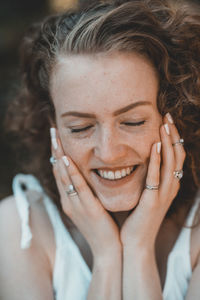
x=120, y=203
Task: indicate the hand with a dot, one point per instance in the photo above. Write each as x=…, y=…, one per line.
x=84, y=209
x=141, y=227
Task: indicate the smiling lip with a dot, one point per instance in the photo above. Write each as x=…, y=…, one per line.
x=115, y=182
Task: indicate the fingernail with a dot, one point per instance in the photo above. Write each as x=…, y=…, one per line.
x=66, y=161
x=53, y=138
x=167, y=129
x=169, y=118
x=158, y=147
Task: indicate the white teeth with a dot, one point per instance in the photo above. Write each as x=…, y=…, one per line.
x=117, y=174
x=101, y=173
x=105, y=174
x=110, y=175
x=128, y=171
x=123, y=172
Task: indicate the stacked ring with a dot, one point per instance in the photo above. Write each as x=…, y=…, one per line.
x=180, y=142
x=152, y=187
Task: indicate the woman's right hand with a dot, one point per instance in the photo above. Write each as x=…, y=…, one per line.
x=84, y=209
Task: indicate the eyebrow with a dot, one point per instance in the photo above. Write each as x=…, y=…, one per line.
x=116, y=113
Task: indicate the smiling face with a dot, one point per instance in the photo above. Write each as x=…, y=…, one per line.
x=107, y=119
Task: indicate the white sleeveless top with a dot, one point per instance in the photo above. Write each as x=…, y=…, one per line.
x=71, y=275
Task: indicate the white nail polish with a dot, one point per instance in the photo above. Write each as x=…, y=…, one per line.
x=53, y=138
x=158, y=147
x=167, y=129
x=169, y=118
x=66, y=161
x=54, y=143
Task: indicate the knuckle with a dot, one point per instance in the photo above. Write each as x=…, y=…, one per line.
x=182, y=152
x=64, y=179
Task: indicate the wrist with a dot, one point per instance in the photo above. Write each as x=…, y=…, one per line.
x=108, y=259
x=106, y=252
x=138, y=250
x=138, y=245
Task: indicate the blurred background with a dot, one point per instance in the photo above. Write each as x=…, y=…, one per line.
x=15, y=17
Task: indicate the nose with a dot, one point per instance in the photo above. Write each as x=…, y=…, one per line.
x=110, y=147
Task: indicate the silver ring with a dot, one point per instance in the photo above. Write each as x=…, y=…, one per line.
x=71, y=191
x=178, y=174
x=152, y=187
x=180, y=142
x=52, y=160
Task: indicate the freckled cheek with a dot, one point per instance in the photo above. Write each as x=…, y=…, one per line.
x=142, y=144
x=76, y=150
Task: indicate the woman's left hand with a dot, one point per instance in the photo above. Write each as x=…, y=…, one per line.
x=141, y=227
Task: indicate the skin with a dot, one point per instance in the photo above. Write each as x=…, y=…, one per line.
x=101, y=85
x=109, y=144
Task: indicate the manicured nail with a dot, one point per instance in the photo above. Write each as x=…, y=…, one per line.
x=167, y=128
x=53, y=138
x=169, y=118
x=158, y=147
x=66, y=161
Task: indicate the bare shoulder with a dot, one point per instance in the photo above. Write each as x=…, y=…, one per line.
x=20, y=267
x=39, y=222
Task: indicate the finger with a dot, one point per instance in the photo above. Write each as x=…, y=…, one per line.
x=57, y=149
x=168, y=161
x=153, y=174
x=57, y=154
x=61, y=176
x=178, y=147
x=149, y=200
x=80, y=184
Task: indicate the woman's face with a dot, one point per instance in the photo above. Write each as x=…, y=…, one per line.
x=107, y=119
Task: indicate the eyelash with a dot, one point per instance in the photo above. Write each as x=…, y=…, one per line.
x=76, y=130
x=80, y=129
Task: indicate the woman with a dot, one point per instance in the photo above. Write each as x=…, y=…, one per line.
x=118, y=83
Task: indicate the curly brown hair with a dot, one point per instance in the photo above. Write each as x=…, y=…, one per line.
x=168, y=37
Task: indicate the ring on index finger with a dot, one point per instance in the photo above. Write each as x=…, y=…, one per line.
x=71, y=191
x=180, y=142
x=151, y=187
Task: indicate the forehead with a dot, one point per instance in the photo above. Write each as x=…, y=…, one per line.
x=113, y=80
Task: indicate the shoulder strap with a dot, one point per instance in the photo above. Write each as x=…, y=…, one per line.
x=22, y=183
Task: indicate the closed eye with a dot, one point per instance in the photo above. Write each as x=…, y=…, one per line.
x=134, y=124
x=74, y=130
